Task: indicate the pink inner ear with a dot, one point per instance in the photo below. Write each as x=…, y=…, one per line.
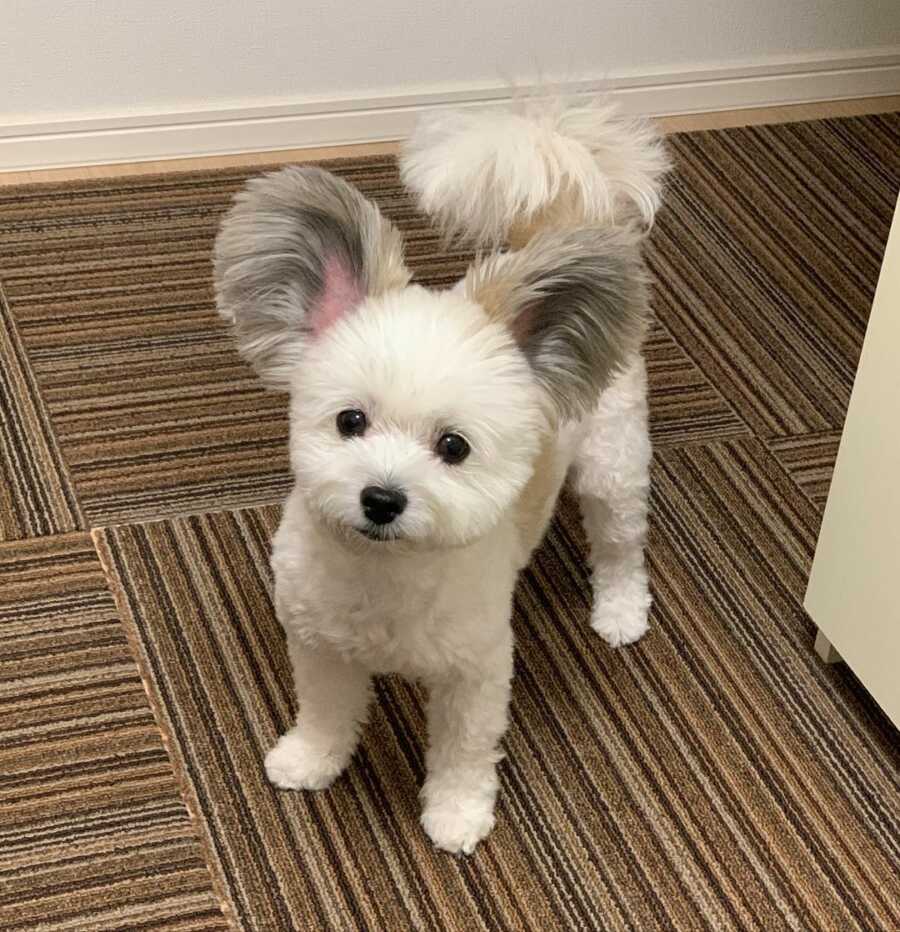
x=341, y=293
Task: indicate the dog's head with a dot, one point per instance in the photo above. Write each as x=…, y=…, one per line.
x=416, y=415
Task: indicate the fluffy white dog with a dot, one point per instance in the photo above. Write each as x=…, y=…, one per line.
x=431, y=430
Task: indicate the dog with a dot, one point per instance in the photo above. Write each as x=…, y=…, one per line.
x=431, y=431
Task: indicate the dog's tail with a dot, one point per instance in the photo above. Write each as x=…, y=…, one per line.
x=495, y=176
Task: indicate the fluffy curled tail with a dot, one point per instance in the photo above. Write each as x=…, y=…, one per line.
x=493, y=176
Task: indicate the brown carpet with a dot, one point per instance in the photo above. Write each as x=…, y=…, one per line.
x=714, y=776
x=92, y=831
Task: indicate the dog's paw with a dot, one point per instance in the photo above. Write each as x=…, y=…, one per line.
x=458, y=825
x=621, y=608
x=295, y=764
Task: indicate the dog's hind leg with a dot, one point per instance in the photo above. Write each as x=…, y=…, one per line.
x=611, y=475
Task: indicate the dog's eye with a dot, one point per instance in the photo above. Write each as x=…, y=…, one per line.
x=452, y=448
x=351, y=423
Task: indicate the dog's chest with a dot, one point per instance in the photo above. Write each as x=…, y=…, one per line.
x=414, y=624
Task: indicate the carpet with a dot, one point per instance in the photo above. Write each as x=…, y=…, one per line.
x=714, y=776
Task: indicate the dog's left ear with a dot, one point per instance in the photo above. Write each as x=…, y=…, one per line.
x=299, y=250
x=576, y=303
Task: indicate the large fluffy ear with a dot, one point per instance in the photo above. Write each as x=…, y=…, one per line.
x=299, y=249
x=576, y=303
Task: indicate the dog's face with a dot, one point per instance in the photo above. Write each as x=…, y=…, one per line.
x=416, y=420
x=417, y=416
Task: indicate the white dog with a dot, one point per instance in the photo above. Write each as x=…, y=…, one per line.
x=431, y=431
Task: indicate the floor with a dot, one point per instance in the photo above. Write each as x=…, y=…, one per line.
x=714, y=776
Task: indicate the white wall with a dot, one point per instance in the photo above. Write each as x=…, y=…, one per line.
x=94, y=58
x=94, y=81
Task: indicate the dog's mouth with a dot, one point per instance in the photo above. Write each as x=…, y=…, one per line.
x=379, y=534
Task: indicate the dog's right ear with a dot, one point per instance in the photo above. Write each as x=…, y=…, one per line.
x=299, y=249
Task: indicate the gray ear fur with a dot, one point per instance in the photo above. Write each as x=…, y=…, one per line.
x=299, y=248
x=576, y=302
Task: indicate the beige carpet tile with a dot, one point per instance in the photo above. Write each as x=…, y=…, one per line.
x=767, y=255
x=36, y=496
x=809, y=458
x=93, y=831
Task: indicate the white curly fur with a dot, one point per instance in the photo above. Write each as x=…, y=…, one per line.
x=480, y=173
x=432, y=598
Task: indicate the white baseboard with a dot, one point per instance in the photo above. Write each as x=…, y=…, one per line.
x=105, y=140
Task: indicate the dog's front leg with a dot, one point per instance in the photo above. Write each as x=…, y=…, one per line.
x=467, y=716
x=332, y=695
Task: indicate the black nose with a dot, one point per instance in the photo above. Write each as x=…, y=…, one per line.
x=381, y=506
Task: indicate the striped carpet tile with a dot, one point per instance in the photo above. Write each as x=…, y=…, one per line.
x=766, y=256
x=110, y=286
x=822, y=750
x=684, y=406
x=714, y=776
x=93, y=832
x=809, y=458
x=36, y=495
x=111, y=291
